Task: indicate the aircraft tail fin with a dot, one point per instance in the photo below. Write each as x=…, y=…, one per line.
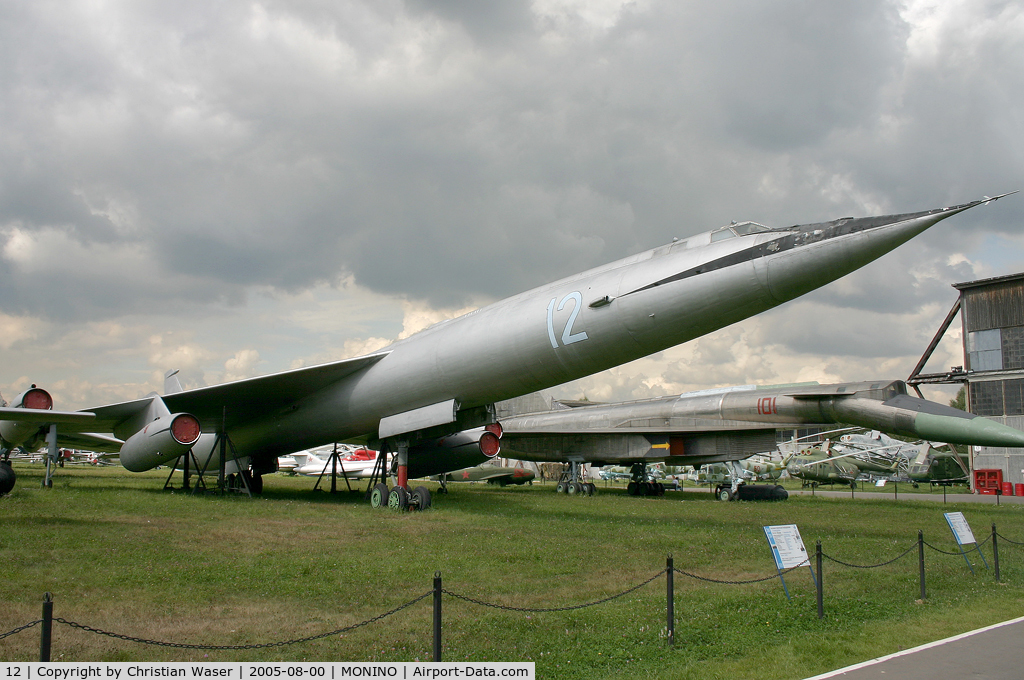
x=171, y=383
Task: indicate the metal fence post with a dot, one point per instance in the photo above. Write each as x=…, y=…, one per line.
x=437, y=616
x=995, y=551
x=920, y=561
x=819, y=584
x=671, y=606
x=47, y=627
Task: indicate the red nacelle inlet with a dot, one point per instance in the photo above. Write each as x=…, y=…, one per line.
x=489, y=444
x=36, y=398
x=17, y=433
x=185, y=429
x=162, y=441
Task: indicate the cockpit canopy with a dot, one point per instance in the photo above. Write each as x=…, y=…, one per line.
x=739, y=229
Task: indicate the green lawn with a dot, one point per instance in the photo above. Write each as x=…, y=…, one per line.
x=120, y=554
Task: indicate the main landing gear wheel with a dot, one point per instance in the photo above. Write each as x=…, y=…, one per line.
x=398, y=499
x=633, y=489
x=560, y=487
x=725, y=494
x=379, y=496
x=255, y=482
x=7, y=478
x=591, y=488
x=572, y=488
x=421, y=497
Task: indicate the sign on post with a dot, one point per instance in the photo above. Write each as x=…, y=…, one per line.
x=787, y=549
x=963, y=535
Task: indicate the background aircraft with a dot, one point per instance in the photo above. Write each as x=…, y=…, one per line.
x=871, y=456
x=492, y=474
x=816, y=466
x=353, y=462
x=729, y=425
x=444, y=380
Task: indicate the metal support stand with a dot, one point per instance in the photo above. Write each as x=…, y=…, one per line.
x=222, y=443
x=187, y=463
x=222, y=467
x=379, y=474
x=184, y=471
x=334, y=462
x=51, y=455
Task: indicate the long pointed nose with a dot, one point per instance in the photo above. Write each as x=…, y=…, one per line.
x=816, y=254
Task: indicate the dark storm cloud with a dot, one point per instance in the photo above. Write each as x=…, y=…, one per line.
x=449, y=151
x=486, y=21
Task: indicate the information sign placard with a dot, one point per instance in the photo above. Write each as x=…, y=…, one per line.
x=960, y=528
x=787, y=546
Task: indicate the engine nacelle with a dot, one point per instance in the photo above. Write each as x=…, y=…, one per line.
x=454, y=452
x=17, y=433
x=163, y=440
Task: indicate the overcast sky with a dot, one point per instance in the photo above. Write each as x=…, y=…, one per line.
x=239, y=188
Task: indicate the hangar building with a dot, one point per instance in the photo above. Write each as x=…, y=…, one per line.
x=992, y=316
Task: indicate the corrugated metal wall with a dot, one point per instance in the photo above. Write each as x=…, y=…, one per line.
x=1010, y=461
x=999, y=305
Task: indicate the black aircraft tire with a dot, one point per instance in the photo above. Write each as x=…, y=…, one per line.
x=255, y=483
x=725, y=494
x=421, y=494
x=762, y=492
x=591, y=488
x=379, y=496
x=7, y=478
x=571, y=488
x=632, y=488
x=560, y=487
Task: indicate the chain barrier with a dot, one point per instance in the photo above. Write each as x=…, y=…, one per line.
x=1009, y=540
x=18, y=630
x=466, y=598
x=871, y=566
x=179, y=645
x=977, y=547
x=552, y=609
x=741, y=583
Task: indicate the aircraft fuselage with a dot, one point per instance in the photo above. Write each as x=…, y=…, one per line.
x=585, y=323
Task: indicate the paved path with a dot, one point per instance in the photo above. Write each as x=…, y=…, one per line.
x=891, y=495
x=950, y=497
x=992, y=653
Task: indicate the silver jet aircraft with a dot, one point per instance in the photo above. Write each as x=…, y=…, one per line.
x=415, y=396
x=728, y=425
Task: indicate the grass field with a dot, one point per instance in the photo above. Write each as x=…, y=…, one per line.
x=122, y=555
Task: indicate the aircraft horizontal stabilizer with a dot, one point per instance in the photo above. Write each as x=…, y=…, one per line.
x=28, y=415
